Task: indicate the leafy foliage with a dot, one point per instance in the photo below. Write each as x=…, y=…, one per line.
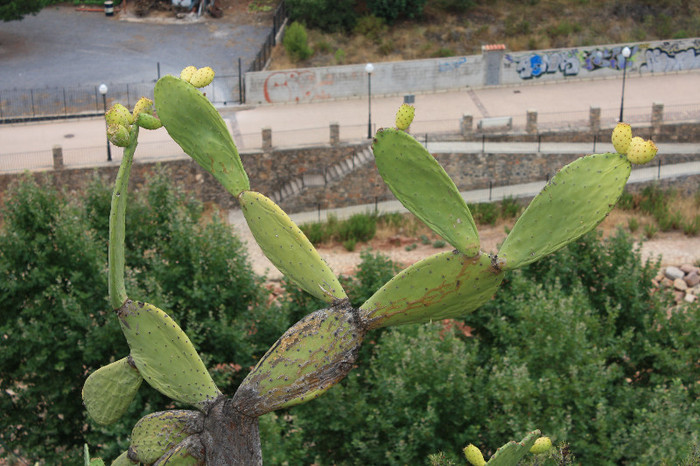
x=296, y=42
x=55, y=324
x=327, y=15
x=391, y=10
x=579, y=346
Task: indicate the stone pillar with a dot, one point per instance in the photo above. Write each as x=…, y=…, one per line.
x=531, y=125
x=657, y=119
x=594, y=119
x=467, y=126
x=57, y=157
x=335, y=134
x=267, y=138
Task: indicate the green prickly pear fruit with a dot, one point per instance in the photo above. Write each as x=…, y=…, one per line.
x=144, y=105
x=119, y=115
x=404, y=117
x=474, y=455
x=144, y=120
x=621, y=137
x=108, y=392
x=187, y=72
x=575, y=201
x=118, y=135
x=641, y=151
x=165, y=356
x=542, y=445
x=425, y=189
x=443, y=286
x=193, y=122
x=312, y=356
x=202, y=77
x=288, y=248
x=155, y=434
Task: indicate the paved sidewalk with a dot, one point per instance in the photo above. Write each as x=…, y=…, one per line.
x=84, y=141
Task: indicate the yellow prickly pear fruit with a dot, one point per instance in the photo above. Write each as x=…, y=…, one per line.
x=186, y=74
x=147, y=121
x=144, y=105
x=641, y=151
x=202, y=77
x=119, y=115
x=473, y=455
x=621, y=137
x=404, y=117
x=118, y=135
x=542, y=445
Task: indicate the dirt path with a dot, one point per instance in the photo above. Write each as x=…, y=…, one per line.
x=674, y=249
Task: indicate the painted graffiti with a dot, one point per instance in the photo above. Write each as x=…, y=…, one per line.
x=451, y=65
x=662, y=59
x=296, y=86
x=608, y=58
x=536, y=65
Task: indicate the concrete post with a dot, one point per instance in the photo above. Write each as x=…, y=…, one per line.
x=57, y=157
x=531, y=125
x=335, y=133
x=467, y=126
x=267, y=138
x=594, y=119
x=657, y=119
x=492, y=63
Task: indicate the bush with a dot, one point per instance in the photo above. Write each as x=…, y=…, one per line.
x=58, y=324
x=360, y=227
x=391, y=10
x=296, y=42
x=327, y=15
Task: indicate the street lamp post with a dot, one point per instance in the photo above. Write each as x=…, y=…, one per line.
x=626, y=52
x=369, y=68
x=103, y=91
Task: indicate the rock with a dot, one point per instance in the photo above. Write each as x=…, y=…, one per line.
x=690, y=298
x=692, y=279
x=673, y=273
x=688, y=268
x=680, y=284
x=666, y=283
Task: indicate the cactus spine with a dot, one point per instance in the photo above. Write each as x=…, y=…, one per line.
x=319, y=350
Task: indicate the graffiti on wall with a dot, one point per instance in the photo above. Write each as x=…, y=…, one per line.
x=539, y=64
x=296, y=86
x=451, y=65
x=611, y=58
x=670, y=57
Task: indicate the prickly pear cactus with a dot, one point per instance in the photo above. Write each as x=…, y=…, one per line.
x=319, y=350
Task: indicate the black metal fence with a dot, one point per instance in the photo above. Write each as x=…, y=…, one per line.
x=18, y=105
x=263, y=55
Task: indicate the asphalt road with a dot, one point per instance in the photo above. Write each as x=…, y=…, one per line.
x=62, y=47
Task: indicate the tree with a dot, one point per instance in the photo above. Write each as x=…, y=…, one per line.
x=15, y=10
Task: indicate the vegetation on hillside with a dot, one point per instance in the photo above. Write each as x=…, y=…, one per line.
x=345, y=34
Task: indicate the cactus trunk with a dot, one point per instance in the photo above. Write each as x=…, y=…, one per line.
x=230, y=437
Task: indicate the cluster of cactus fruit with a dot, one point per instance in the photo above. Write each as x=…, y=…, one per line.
x=318, y=351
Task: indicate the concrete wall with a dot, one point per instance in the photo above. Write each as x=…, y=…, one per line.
x=340, y=82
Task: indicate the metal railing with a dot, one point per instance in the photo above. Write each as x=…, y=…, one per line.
x=278, y=19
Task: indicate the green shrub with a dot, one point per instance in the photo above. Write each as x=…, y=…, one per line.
x=650, y=230
x=349, y=244
x=510, y=208
x=327, y=15
x=391, y=10
x=692, y=227
x=339, y=56
x=360, y=227
x=438, y=244
x=372, y=27
x=296, y=42
x=457, y=6
x=626, y=201
x=633, y=224
x=484, y=213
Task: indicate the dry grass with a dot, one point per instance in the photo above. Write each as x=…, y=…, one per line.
x=521, y=25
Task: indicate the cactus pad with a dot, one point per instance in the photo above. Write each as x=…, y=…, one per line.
x=184, y=454
x=288, y=248
x=157, y=433
x=164, y=355
x=122, y=460
x=109, y=391
x=193, y=122
x=512, y=452
x=424, y=188
x=312, y=356
x=443, y=286
x=574, y=202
